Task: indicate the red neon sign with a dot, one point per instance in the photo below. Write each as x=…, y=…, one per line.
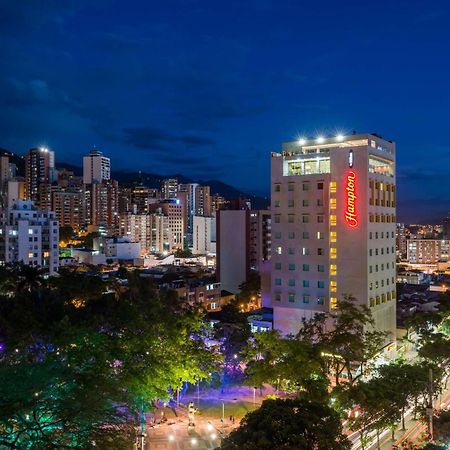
x=351, y=216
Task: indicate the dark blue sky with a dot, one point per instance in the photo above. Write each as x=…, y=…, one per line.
x=209, y=88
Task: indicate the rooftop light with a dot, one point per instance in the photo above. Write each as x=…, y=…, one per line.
x=340, y=137
x=302, y=141
x=320, y=139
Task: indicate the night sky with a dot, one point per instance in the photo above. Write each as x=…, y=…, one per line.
x=208, y=88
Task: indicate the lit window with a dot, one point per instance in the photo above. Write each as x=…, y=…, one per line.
x=332, y=187
x=332, y=203
x=333, y=220
x=320, y=235
x=278, y=250
x=30, y=255
x=333, y=286
x=333, y=302
x=333, y=253
x=333, y=236
x=30, y=231
x=333, y=269
x=305, y=251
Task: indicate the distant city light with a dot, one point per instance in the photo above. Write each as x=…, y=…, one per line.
x=302, y=141
x=340, y=137
x=320, y=139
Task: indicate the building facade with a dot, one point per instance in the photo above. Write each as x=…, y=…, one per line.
x=96, y=167
x=333, y=228
x=39, y=169
x=30, y=236
x=427, y=251
x=204, y=235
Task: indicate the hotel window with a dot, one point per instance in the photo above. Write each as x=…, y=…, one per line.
x=291, y=235
x=291, y=282
x=370, y=269
x=333, y=286
x=333, y=253
x=291, y=218
x=30, y=255
x=388, y=296
x=305, y=218
x=306, y=298
x=305, y=283
x=320, y=235
x=291, y=297
x=320, y=300
x=376, y=267
x=378, y=300
x=333, y=302
x=291, y=251
x=277, y=266
x=320, y=186
x=332, y=187
x=321, y=284
x=320, y=251
x=277, y=234
x=305, y=267
x=371, y=217
x=333, y=269
x=376, y=285
x=305, y=202
x=278, y=251
x=333, y=236
x=305, y=235
x=376, y=251
x=277, y=297
x=332, y=203
x=370, y=252
x=320, y=218
x=277, y=187
x=372, y=301
x=291, y=266
x=276, y=203
x=290, y=203
x=383, y=298
x=305, y=186
x=277, y=218
x=305, y=251
x=370, y=286
x=333, y=220
x=319, y=202
x=277, y=281
x=321, y=268
x=290, y=187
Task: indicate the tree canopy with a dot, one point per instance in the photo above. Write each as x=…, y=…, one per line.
x=77, y=364
x=290, y=424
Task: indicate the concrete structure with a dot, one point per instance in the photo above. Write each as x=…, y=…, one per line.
x=30, y=236
x=118, y=248
x=169, y=188
x=333, y=228
x=174, y=210
x=150, y=230
x=102, y=203
x=243, y=245
x=96, y=167
x=204, y=235
x=39, y=169
x=427, y=251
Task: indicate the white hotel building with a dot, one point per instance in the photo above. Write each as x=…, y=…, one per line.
x=333, y=228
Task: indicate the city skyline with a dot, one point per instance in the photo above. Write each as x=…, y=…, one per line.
x=209, y=93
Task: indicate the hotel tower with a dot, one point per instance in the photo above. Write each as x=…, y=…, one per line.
x=333, y=228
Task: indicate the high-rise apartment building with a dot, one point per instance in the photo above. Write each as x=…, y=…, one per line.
x=39, y=169
x=150, y=230
x=169, y=188
x=173, y=209
x=96, y=167
x=333, y=228
x=204, y=235
x=30, y=236
x=202, y=201
x=243, y=245
x=102, y=203
x=427, y=251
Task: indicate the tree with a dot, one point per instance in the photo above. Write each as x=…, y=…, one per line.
x=250, y=290
x=75, y=372
x=290, y=424
x=65, y=233
x=347, y=338
x=441, y=427
x=289, y=364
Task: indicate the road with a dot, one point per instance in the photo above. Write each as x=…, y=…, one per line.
x=414, y=433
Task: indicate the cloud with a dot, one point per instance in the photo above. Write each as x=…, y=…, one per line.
x=150, y=138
